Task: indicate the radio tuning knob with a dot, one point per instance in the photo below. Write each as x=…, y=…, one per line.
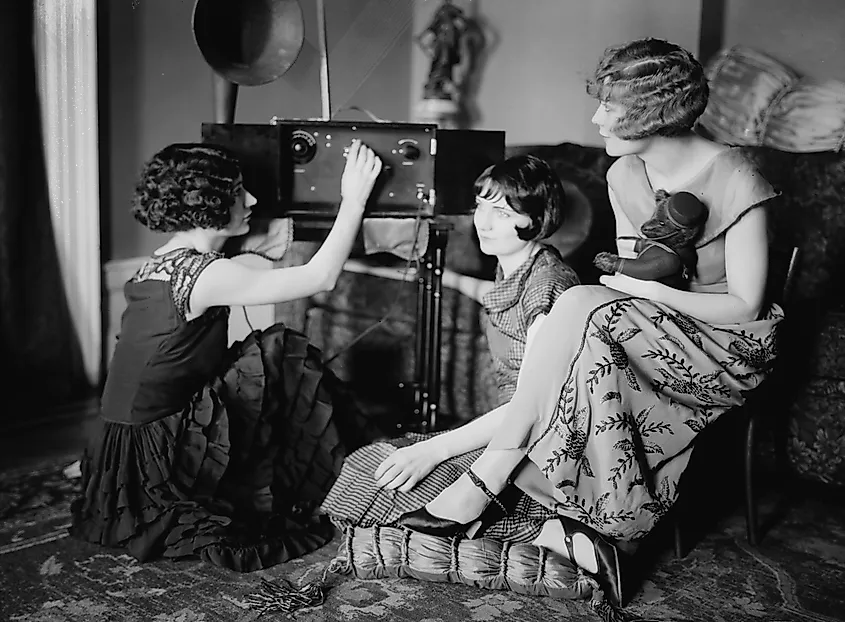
x=303, y=147
x=410, y=151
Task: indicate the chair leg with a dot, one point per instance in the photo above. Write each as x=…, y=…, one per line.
x=679, y=538
x=750, y=501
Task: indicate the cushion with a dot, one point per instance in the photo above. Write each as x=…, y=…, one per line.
x=757, y=100
x=395, y=552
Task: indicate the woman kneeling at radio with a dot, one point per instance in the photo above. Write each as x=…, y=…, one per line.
x=201, y=448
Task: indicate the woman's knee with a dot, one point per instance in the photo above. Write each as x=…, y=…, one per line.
x=576, y=304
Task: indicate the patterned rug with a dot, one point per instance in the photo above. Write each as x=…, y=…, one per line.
x=797, y=574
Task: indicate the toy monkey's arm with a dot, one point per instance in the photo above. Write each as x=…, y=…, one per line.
x=650, y=265
x=628, y=246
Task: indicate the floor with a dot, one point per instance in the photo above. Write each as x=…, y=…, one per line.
x=62, y=434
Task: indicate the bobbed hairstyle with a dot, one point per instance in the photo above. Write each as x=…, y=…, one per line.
x=660, y=85
x=185, y=186
x=530, y=187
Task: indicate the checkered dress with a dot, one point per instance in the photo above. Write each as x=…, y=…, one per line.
x=512, y=306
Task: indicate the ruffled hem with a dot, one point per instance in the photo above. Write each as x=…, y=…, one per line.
x=233, y=477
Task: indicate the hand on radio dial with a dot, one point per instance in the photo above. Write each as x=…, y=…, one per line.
x=362, y=168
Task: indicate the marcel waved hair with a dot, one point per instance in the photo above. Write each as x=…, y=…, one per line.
x=185, y=186
x=530, y=187
x=661, y=86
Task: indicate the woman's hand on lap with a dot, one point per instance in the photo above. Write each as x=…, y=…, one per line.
x=406, y=467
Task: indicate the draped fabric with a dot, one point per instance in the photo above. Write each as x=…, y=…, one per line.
x=36, y=334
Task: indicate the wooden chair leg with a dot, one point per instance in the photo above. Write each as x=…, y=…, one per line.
x=750, y=500
x=679, y=538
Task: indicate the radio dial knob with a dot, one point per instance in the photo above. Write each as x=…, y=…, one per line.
x=410, y=152
x=303, y=147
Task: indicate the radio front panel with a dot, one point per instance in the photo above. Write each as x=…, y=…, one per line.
x=294, y=167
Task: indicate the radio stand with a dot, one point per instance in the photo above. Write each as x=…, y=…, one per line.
x=423, y=391
x=426, y=384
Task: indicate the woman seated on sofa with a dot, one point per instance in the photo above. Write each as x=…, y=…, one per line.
x=519, y=202
x=621, y=378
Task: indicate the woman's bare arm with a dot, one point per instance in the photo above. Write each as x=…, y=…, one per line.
x=469, y=286
x=227, y=283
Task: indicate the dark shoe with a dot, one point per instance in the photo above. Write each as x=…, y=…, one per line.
x=607, y=556
x=423, y=521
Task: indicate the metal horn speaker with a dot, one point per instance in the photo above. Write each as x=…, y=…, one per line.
x=246, y=42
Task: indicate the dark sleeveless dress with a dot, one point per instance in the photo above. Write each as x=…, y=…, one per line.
x=206, y=449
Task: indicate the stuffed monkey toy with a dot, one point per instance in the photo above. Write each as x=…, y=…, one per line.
x=666, y=250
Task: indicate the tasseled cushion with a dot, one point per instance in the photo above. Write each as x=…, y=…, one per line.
x=384, y=552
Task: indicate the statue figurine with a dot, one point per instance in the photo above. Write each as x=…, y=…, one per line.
x=452, y=41
x=666, y=252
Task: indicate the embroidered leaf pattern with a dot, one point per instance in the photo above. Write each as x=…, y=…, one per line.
x=611, y=395
x=617, y=421
x=694, y=424
x=644, y=381
x=602, y=369
x=585, y=466
x=675, y=342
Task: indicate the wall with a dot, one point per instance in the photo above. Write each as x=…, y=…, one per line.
x=542, y=51
x=806, y=35
x=156, y=88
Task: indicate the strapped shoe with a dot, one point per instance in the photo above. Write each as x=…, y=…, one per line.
x=607, y=558
x=423, y=521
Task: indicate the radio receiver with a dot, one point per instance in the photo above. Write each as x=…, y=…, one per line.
x=293, y=167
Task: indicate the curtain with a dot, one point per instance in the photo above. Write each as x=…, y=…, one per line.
x=66, y=63
x=38, y=343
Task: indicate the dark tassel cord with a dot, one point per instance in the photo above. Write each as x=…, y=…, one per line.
x=607, y=612
x=282, y=596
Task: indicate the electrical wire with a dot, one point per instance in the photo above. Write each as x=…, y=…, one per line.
x=369, y=114
x=248, y=323
x=393, y=305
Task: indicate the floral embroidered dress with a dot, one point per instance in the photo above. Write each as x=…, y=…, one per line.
x=210, y=450
x=511, y=306
x=617, y=388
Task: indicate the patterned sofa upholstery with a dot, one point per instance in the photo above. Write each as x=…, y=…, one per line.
x=811, y=215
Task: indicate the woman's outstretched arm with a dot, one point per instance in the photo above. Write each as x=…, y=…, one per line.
x=228, y=283
x=469, y=286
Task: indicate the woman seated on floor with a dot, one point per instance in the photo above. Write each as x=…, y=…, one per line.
x=204, y=449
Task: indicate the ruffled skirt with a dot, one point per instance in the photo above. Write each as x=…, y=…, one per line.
x=236, y=476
